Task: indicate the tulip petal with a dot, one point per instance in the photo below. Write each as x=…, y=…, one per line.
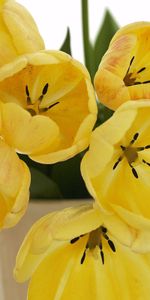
x=25, y=133
x=74, y=138
x=18, y=32
x=141, y=226
x=62, y=225
x=14, y=186
x=104, y=138
x=116, y=59
x=60, y=275
x=22, y=28
x=21, y=202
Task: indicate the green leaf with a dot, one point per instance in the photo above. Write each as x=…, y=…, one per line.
x=104, y=113
x=66, y=46
x=104, y=36
x=87, y=45
x=43, y=187
x=68, y=177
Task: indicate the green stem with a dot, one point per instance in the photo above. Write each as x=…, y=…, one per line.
x=86, y=39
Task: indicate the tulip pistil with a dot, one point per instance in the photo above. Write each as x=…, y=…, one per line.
x=131, y=154
x=94, y=240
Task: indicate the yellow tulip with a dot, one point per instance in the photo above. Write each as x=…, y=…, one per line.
x=71, y=255
x=18, y=32
x=116, y=169
x=49, y=106
x=123, y=73
x=14, y=186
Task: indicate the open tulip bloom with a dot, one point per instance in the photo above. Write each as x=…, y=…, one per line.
x=124, y=71
x=71, y=254
x=47, y=111
x=116, y=170
x=48, y=106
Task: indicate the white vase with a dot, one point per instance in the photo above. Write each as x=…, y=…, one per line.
x=10, y=241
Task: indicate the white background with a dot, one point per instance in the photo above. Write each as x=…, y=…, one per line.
x=53, y=17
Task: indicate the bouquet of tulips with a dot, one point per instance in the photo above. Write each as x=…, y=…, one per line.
x=49, y=104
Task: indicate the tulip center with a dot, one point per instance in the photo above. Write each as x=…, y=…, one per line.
x=133, y=78
x=95, y=240
x=131, y=155
x=33, y=107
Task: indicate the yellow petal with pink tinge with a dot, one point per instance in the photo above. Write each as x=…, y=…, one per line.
x=124, y=72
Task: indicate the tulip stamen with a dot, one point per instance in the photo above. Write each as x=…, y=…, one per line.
x=145, y=162
x=137, y=82
x=147, y=81
x=75, y=240
x=134, y=172
x=131, y=61
x=83, y=257
x=84, y=254
x=117, y=162
x=135, y=137
x=28, y=95
x=53, y=105
x=142, y=148
x=44, y=91
x=141, y=70
x=110, y=242
x=101, y=253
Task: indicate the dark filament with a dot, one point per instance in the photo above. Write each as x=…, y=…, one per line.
x=134, y=171
x=75, y=240
x=131, y=61
x=145, y=162
x=134, y=138
x=44, y=91
x=83, y=257
x=117, y=162
x=53, y=105
x=28, y=95
x=112, y=246
x=141, y=70
x=101, y=253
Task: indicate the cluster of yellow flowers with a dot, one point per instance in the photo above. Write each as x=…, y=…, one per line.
x=100, y=250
